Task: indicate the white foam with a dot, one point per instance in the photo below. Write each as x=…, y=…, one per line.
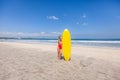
x=83, y=41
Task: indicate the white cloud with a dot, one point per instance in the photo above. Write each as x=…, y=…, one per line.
x=84, y=24
x=52, y=17
x=56, y=33
x=42, y=32
x=22, y=34
x=77, y=23
x=84, y=16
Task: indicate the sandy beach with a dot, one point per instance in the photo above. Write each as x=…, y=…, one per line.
x=29, y=61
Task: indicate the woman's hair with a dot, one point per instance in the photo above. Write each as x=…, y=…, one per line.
x=59, y=37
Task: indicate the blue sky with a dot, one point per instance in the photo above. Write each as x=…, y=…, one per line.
x=84, y=18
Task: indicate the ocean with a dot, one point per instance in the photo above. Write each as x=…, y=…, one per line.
x=79, y=42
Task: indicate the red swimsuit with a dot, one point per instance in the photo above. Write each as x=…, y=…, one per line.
x=59, y=46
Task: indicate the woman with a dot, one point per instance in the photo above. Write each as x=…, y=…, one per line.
x=59, y=48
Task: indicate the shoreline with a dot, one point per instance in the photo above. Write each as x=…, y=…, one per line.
x=53, y=43
x=114, y=43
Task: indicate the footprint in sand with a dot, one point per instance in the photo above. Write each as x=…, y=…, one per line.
x=86, y=62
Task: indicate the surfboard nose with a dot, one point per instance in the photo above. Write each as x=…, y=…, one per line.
x=66, y=30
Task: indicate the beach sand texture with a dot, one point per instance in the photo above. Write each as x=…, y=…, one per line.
x=28, y=61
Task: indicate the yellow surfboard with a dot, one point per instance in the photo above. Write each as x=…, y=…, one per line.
x=66, y=44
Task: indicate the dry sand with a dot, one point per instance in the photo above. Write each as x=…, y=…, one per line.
x=23, y=61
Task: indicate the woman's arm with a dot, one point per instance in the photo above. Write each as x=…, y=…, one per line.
x=59, y=41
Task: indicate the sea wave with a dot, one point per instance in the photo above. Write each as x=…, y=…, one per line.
x=83, y=41
x=103, y=43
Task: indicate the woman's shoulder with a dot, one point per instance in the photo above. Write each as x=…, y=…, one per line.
x=59, y=41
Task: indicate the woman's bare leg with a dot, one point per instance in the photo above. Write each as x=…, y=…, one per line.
x=60, y=53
